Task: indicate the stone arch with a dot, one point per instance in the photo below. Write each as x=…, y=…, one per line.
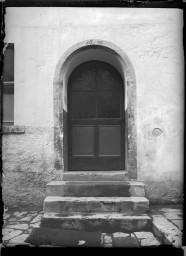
x=77, y=54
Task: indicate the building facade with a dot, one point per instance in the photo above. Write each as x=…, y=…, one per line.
x=93, y=89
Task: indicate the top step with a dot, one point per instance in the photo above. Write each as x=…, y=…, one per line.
x=95, y=176
x=95, y=188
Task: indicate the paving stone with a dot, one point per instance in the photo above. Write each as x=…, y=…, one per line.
x=178, y=223
x=150, y=241
x=147, y=239
x=19, y=214
x=125, y=242
x=32, y=214
x=171, y=210
x=28, y=231
x=13, y=219
x=6, y=216
x=167, y=231
x=5, y=231
x=142, y=235
x=36, y=219
x=19, y=239
x=173, y=216
x=106, y=238
x=12, y=234
x=120, y=234
x=35, y=225
x=27, y=218
x=19, y=226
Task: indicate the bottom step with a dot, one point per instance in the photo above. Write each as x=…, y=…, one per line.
x=105, y=222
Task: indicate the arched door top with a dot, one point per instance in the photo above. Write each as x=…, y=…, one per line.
x=84, y=51
x=103, y=45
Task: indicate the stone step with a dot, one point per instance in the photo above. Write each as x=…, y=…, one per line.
x=105, y=222
x=69, y=205
x=96, y=188
x=95, y=176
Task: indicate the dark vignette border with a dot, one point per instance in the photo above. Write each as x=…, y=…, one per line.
x=95, y=3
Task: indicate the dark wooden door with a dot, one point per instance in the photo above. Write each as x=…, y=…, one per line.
x=96, y=118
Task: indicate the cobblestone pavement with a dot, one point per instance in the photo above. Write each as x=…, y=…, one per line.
x=167, y=221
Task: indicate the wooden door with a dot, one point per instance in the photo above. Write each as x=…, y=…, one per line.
x=96, y=118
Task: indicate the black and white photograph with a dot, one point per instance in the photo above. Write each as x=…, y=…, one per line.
x=92, y=125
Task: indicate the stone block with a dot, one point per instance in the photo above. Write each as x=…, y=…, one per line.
x=96, y=188
x=35, y=225
x=106, y=239
x=171, y=210
x=6, y=230
x=106, y=222
x=147, y=239
x=137, y=188
x=150, y=241
x=120, y=234
x=27, y=218
x=36, y=219
x=173, y=216
x=19, y=214
x=178, y=223
x=18, y=226
x=88, y=189
x=11, y=235
x=142, y=235
x=12, y=219
x=124, y=205
x=96, y=176
x=125, y=242
x=6, y=216
x=166, y=231
x=19, y=239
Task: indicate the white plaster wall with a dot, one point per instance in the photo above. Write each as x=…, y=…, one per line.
x=152, y=39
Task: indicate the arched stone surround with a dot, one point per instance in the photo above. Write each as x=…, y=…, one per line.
x=94, y=49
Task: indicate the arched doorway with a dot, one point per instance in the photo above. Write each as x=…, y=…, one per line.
x=95, y=118
x=79, y=53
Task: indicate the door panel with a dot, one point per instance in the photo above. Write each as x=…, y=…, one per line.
x=83, y=140
x=95, y=118
x=109, y=140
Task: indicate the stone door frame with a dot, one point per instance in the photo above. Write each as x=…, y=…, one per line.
x=63, y=70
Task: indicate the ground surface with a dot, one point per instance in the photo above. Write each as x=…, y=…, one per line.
x=167, y=229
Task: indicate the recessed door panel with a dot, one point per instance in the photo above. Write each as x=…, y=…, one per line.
x=83, y=140
x=95, y=118
x=109, y=140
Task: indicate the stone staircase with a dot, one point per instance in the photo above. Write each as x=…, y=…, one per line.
x=96, y=201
